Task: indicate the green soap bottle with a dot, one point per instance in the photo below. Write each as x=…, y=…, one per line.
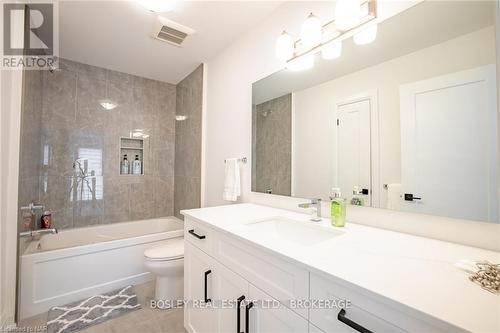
x=338, y=208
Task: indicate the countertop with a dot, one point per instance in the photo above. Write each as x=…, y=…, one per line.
x=414, y=271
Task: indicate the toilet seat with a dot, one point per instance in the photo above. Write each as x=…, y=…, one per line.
x=172, y=251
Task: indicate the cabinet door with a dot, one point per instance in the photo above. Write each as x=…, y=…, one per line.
x=199, y=317
x=266, y=317
x=231, y=292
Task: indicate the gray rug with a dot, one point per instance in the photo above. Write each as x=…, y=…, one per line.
x=94, y=310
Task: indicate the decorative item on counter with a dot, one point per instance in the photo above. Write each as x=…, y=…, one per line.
x=46, y=220
x=356, y=199
x=487, y=276
x=338, y=207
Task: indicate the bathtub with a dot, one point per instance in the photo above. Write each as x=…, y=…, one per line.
x=79, y=263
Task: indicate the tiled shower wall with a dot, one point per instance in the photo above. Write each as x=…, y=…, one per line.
x=63, y=121
x=272, y=146
x=188, y=142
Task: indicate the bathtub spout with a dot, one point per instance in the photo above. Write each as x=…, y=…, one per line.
x=32, y=233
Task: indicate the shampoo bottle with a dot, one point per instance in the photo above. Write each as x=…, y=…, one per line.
x=125, y=165
x=338, y=208
x=136, y=166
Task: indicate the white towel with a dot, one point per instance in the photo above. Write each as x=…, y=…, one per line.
x=232, y=183
x=394, y=196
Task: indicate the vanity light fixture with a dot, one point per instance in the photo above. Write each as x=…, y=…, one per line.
x=284, y=46
x=353, y=18
x=180, y=117
x=107, y=104
x=347, y=13
x=311, y=31
x=302, y=63
x=366, y=36
x=158, y=6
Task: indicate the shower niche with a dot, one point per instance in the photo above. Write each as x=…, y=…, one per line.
x=131, y=149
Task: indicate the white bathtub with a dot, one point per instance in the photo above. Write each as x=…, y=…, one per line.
x=78, y=263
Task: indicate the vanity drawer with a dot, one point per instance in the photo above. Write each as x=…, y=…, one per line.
x=365, y=311
x=199, y=235
x=278, y=278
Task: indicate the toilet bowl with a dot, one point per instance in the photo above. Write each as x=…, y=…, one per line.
x=166, y=262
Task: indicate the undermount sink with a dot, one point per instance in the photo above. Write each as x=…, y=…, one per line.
x=303, y=233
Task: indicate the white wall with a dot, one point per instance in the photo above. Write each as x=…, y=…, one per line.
x=228, y=131
x=314, y=108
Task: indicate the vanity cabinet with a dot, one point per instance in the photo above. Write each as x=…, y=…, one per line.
x=221, y=300
x=236, y=286
x=198, y=287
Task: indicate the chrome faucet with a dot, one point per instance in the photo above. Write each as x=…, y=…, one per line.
x=315, y=204
x=33, y=233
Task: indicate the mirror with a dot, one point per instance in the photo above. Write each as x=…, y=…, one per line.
x=408, y=122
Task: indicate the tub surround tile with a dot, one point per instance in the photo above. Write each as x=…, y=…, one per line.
x=189, y=100
x=63, y=120
x=271, y=145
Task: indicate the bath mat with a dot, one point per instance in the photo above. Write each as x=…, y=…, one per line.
x=94, y=310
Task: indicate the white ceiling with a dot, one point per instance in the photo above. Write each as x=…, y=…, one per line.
x=117, y=34
x=424, y=25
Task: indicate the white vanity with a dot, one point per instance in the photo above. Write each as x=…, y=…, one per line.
x=240, y=255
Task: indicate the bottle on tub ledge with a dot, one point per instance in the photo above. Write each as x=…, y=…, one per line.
x=125, y=166
x=137, y=166
x=46, y=220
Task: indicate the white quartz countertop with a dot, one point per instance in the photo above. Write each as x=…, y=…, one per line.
x=414, y=271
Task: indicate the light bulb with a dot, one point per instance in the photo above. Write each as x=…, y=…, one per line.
x=284, y=46
x=332, y=50
x=158, y=6
x=302, y=63
x=107, y=104
x=366, y=36
x=347, y=14
x=310, y=33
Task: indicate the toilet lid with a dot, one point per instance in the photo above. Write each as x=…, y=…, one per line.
x=173, y=250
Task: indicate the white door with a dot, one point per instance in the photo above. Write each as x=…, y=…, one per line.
x=231, y=292
x=353, y=149
x=265, y=317
x=198, y=285
x=449, y=145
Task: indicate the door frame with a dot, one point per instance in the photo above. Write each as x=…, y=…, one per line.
x=372, y=97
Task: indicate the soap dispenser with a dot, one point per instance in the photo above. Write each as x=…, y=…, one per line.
x=338, y=208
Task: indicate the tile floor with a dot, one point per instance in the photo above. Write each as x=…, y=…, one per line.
x=145, y=320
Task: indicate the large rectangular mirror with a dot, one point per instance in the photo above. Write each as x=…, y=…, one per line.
x=408, y=122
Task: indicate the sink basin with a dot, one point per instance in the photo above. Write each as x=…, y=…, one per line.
x=302, y=233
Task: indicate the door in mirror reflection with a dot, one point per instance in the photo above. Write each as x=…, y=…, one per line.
x=353, y=151
x=449, y=145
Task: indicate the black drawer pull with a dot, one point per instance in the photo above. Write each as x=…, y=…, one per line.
x=341, y=316
x=207, y=300
x=247, y=316
x=238, y=313
x=196, y=235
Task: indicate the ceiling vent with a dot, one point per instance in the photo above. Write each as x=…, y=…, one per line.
x=171, y=32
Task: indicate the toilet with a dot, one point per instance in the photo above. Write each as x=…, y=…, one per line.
x=166, y=262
